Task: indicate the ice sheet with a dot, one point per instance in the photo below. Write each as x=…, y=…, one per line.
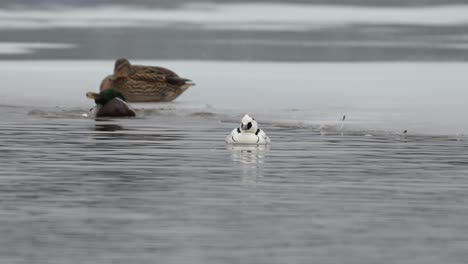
x=422, y=97
x=219, y=16
x=23, y=48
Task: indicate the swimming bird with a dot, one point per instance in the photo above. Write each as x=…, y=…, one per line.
x=248, y=133
x=110, y=103
x=139, y=83
x=404, y=134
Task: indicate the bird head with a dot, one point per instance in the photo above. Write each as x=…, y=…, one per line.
x=248, y=124
x=121, y=68
x=105, y=96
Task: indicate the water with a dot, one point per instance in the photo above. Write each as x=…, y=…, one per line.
x=165, y=188
x=168, y=188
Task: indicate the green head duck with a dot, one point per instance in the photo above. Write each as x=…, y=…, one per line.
x=105, y=96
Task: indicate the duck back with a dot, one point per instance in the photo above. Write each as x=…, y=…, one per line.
x=135, y=90
x=151, y=84
x=237, y=137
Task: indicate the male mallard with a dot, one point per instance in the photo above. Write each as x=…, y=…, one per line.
x=140, y=83
x=110, y=103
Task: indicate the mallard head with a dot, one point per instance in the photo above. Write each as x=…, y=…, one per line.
x=105, y=96
x=121, y=68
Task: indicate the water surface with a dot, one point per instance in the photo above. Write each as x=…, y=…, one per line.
x=165, y=188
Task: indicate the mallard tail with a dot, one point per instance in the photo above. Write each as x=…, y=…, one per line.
x=177, y=81
x=189, y=82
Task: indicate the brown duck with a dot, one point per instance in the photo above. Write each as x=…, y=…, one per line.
x=140, y=83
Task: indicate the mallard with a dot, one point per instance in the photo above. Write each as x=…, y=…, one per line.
x=140, y=83
x=110, y=103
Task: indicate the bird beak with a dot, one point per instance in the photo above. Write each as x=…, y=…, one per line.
x=91, y=95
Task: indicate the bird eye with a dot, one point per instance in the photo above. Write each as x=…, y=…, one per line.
x=249, y=125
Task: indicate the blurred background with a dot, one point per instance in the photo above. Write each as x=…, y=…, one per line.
x=173, y=3
x=273, y=30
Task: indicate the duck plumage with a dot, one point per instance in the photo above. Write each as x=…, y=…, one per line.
x=139, y=83
x=110, y=103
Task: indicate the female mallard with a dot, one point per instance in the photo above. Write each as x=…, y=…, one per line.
x=110, y=103
x=140, y=83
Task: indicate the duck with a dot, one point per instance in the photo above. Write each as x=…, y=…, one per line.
x=140, y=83
x=110, y=103
x=248, y=133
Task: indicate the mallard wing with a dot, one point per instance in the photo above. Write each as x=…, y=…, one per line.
x=152, y=70
x=158, y=74
x=148, y=77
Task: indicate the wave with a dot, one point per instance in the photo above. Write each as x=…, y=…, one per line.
x=338, y=127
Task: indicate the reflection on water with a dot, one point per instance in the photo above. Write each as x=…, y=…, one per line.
x=111, y=129
x=107, y=127
x=248, y=154
x=251, y=159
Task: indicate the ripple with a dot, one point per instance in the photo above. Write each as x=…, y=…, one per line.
x=77, y=190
